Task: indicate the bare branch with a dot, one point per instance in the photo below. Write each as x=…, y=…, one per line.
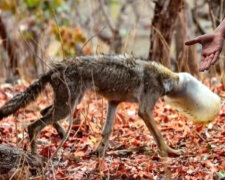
x=106, y=16
x=199, y=28
x=211, y=14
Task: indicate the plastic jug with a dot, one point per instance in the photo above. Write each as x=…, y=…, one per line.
x=194, y=100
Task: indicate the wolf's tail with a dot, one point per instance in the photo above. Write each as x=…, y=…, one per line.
x=24, y=98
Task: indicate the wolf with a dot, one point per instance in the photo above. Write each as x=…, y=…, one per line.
x=118, y=78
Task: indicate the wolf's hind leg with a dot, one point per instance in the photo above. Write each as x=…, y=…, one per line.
x=46, y=110
x=53, y=115
x=56, y=125
x=61, y=108
x=60, y=130
x=107, y=128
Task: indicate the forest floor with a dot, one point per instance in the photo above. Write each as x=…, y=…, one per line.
x=132, y=152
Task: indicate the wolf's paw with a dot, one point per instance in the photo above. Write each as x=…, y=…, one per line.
x=99, y=151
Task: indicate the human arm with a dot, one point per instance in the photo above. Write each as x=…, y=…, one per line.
x=212, y=44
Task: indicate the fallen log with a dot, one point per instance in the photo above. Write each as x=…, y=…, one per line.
x=14, y=157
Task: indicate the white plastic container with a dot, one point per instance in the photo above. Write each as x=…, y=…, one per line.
x=194, y=100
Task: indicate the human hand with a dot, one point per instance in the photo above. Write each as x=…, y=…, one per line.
x=211, y=47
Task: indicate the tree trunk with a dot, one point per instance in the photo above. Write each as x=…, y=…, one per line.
x=9, y=47
x=186, y=57
x=165, y=15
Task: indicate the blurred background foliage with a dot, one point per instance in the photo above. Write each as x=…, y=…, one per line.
x=34, y=32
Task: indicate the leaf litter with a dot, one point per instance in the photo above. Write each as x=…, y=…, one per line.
x=132, y=152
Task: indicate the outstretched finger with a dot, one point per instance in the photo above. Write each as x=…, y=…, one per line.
x=215, y=57
x=193, y=41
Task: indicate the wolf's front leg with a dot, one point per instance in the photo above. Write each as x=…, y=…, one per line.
x=107, y=128
x=165, y=150
x=145, y=112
